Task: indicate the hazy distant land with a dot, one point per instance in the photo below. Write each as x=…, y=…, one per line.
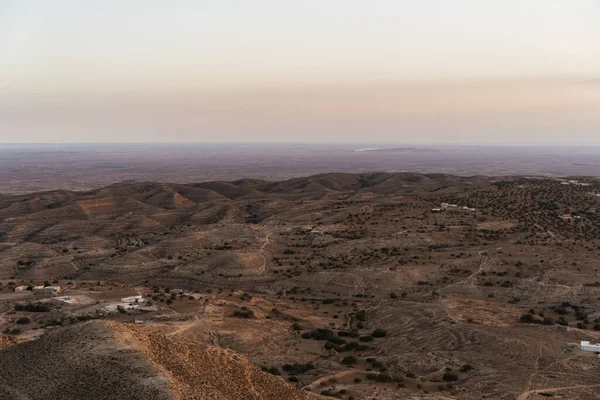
x=33, y=167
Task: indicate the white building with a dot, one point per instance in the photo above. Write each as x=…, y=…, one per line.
x=448, y=205
x=65, y=300
x=587, y=346
x=21, y=289
x=46, y=289
x=51, y=289
x=133, y=299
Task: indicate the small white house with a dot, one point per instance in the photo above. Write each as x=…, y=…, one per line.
x=64, y=300
x=133, y=299
x=587, y=346
x=21, y=289
x=449, y=205
x=46, y=289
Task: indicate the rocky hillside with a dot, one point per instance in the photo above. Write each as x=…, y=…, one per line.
x=102, y=361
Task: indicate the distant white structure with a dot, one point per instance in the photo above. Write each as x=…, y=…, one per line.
x=576, y=183
x=113, y=308
x=436, y=210
x=132, y=299
x=21, y=289
x=65, y=300
x=448, y=205
x=587, y=346
x=46, y=289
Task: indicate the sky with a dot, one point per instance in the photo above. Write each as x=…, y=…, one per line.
x=428, y=71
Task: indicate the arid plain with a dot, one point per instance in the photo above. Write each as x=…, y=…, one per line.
x=377, y=285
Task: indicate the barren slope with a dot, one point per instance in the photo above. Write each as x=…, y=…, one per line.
x=97, y=360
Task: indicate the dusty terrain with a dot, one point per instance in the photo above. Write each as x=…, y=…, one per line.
x=356, y=286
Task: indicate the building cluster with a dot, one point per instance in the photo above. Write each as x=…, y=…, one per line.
x=591, y=347
x=126, y=303
x=574, y=182
x=39, y=289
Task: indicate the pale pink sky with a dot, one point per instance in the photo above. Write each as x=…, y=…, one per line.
x=429, y=71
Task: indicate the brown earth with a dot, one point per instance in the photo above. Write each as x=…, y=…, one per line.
x=265, y=264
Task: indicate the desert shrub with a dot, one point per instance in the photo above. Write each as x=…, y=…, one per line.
x=466, y=368
x=329, y=345
x=319, y=334
x=366, y=338
x=337, y=340
x=243, y=313
x=38, y=307
x=581, y=325
x=361, y=315
x=349, y=360
x=293, y=379
x=348, y=334
x=348, y=347
x=379, y=333
x=23, y=321
x=450, y=376
x=297, y=368
x=384, y=378
x=527, y=318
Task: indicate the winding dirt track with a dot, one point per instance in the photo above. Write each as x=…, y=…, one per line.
x=261, y=253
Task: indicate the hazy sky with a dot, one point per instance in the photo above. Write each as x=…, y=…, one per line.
x=427, y=71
